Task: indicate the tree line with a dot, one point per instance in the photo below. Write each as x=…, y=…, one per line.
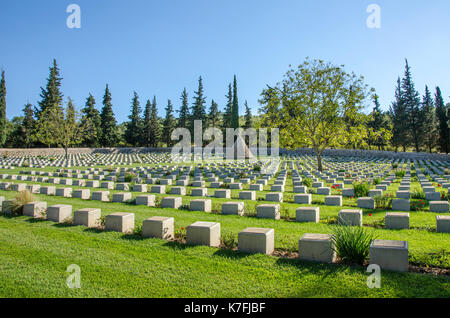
x=412, y=122
x=53, y=124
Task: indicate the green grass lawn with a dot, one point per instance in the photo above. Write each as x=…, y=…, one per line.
x=34, y=255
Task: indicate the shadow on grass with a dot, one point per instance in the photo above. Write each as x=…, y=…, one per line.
x=178, y=245
x=322, y=269
x=37, y=220
x=132, y=237
x=94, y=230
x=63, y=225
x=231, y=254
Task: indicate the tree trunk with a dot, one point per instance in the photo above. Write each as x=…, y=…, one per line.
x=66, y=150
x=319, y=161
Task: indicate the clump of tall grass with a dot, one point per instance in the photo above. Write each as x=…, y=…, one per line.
x=19, y=201
x=351, y=243
x=361, y=189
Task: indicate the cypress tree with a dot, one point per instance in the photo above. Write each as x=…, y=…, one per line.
x=213, y=116
x=228, y=108
x=399, y=119
x=442, y=121
x=91, y=123
x=3, y=120
x=133, y=130
x=183, y=120
x=50, y=110
x=377, y=123
x=248, y=116
x=109, y=136
x=28, y=124
x=235, y=106
x=146, y=135
x=198, y=107
x=155, y=127
x=51, y=95
x=169, y=124
x=411, y=99
x=429, y=120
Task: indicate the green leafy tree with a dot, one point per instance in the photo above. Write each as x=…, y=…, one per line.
x=379, y=130
x=91, y=123
x=228, y=108
x=146, y=125
x=312, y=106
x=411, y=99
x=183, y=120
x=399, y=119
x=430, y=133
x=51, y=96
x=109, y=136
x=59, y=129
x=14, y=133
x=198, y=107
x=213, y=115
x=134, y=126
x=28, y=124
x=155, y=126
x=169, y=124
x=71, y=128
x=248, y=116
x=3, y=120
x=235, y=106
x=442, y=119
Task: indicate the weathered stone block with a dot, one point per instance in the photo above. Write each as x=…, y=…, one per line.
x=333, y=200
x=350, y=217
x=307, y=214
x=84, y=194
x=316, y=248
x=203, y=233
x=366, y=203
x=171, y=202
x=396, y=221
x=268, y=211
x=121, y=197
x=35, y=209
x=233, y=208
x=203, y=205
x=59, y=213
x=147, y=200
x=89, y=217
x=390, y=255
x=256, y=240
x=120, y=222
x=303, y=198
x=158, y=226
x=247, y=195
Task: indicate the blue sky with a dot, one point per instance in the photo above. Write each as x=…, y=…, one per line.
x=160, y=47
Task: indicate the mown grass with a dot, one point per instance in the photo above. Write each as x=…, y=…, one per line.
x=35, y=255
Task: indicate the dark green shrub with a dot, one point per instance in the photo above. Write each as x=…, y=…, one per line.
x=376, y=181
x=400, y=173
x=351, y=243
x=257, y=168
x=129, y=176
x=418, y=195
x=361, y=189
x=307, y=182
x=229, y=241
x=383, y=201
